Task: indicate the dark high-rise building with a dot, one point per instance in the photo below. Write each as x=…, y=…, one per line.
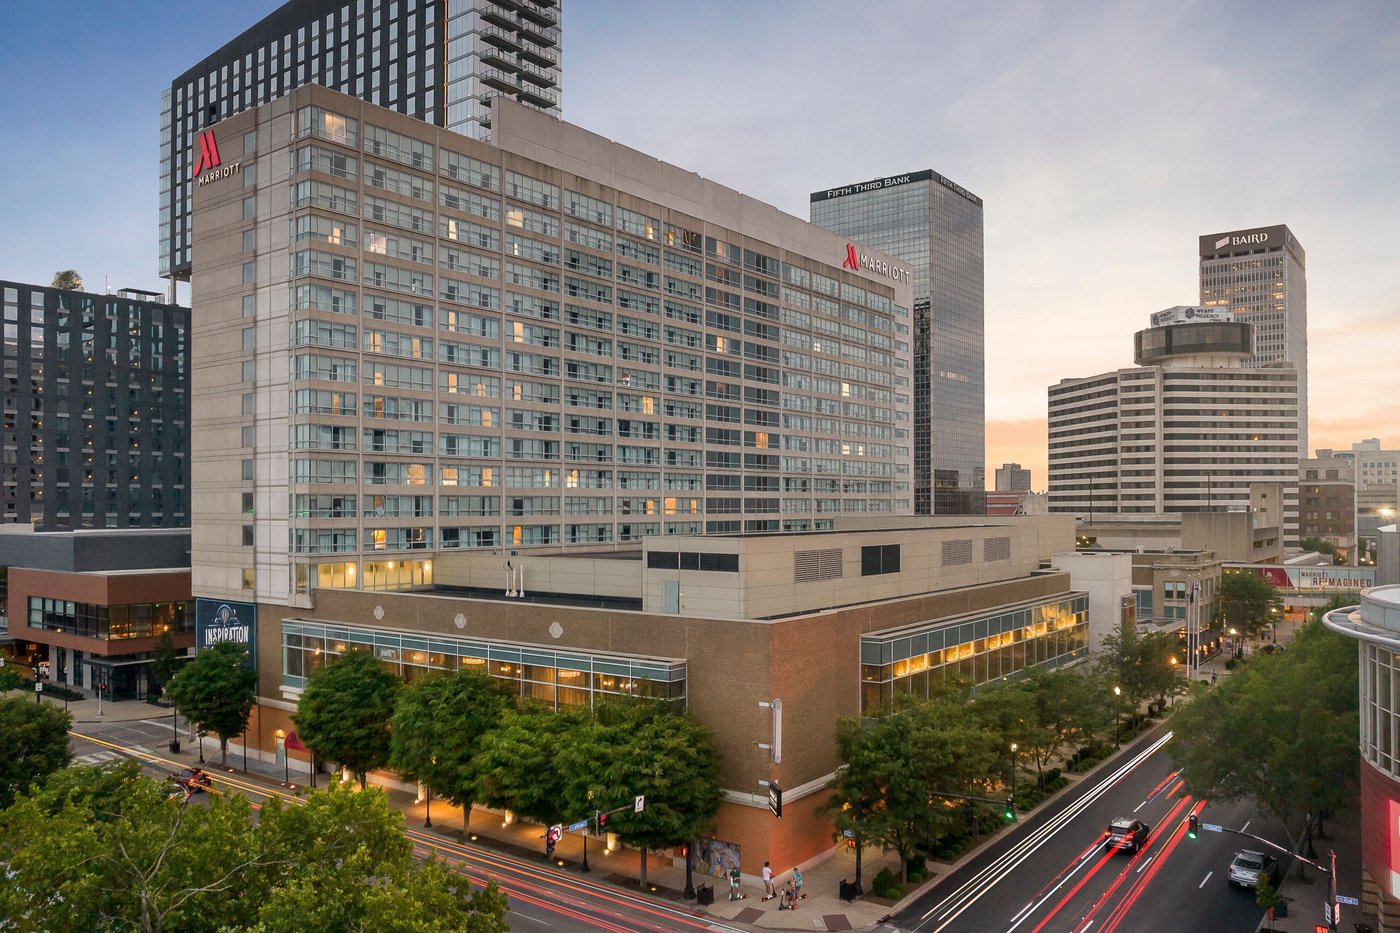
x=97, y=409
x=1261, y=275
x=439, y=61
x=934, y=225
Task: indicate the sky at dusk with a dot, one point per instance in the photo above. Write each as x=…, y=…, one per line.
x=1103, y=138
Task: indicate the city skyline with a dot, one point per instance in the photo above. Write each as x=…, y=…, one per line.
x=1111, y=139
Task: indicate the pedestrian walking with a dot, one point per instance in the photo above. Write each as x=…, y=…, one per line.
x=768, y=891
x=1212, y=677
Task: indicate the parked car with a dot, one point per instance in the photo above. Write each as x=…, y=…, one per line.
x=1249, y=865
x=1130, y=835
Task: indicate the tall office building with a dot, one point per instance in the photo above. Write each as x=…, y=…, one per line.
x=935, y=226
x=1189, y=429
x=96, y=409
x=441, y=61
x=1261, y=275
x=546, y=340
x=1012, y=477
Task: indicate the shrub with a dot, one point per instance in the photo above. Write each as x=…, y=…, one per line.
x=882, y=881
x=918, y=863
x=893, y=892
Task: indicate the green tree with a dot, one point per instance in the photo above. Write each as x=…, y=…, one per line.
x=165, y=661
x=128, y=857
x=1246, y=602
x=518, y=765
x=437, y=728
x=67, y=278
x=345, y=710
x=33, y=744
x=1281, y=731
x=896, y=767
x=1066, y=709
x=342, y=862
x=634, y=748
x=215, y=691
x=1008, y=710
x=1319, y=546
x=1140, y=664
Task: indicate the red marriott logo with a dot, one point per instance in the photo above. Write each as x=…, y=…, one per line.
x=208, y=152
x=864, y=261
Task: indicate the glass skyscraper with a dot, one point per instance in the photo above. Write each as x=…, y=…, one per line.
x=935, y=225
x=441, y=61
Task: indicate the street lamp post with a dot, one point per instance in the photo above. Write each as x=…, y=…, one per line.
x=1013, y=770
x=1117, y=716
x=428, y=800
x=175, y=728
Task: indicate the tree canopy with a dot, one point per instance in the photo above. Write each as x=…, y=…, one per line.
x=33, y=744
x=1282, y=731
x=345, y=711
x=1140, y=664
x=67, y=278
x=216, y=691
x=438, y=724
x=99, y=849
x=632, y=748
x=1246, y=601
x=897, y=765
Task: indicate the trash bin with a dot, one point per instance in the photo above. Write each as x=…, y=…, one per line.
x=705, y=894
x=1281, y=911
x=849, y=891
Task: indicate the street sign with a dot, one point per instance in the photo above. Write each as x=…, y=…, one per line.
x=1213, y=827
x=848, y=833
x=575, y=827
x=38, y=686
x=639, y=803
x=556, y=830
x=1349, y=901
x=1332, y=913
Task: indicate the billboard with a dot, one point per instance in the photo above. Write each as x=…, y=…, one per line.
x=1190, y=314
x=1274, y=237
x=218, y=620
x=1318, y=579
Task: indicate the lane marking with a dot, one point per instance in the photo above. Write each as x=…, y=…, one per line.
x=1246, y=825
x=1205, y=879
x=1148, y=862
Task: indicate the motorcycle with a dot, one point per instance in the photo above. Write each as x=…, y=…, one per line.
x=185, y=785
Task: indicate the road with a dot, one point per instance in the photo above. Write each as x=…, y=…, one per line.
x=540, y=899
x=1054, y=876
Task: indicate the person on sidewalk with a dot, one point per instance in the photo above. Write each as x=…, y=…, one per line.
x=734, y=893
x=797, y=882
x=768, y=891
x=789, y=900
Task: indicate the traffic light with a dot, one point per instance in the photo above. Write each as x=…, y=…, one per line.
x=602, y=823
x=1193, y=825
x=1010, y=811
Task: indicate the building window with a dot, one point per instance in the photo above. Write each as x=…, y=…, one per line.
x=877, y=559
x=247, y=535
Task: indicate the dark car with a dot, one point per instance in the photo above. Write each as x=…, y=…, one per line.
x=1130, y=835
